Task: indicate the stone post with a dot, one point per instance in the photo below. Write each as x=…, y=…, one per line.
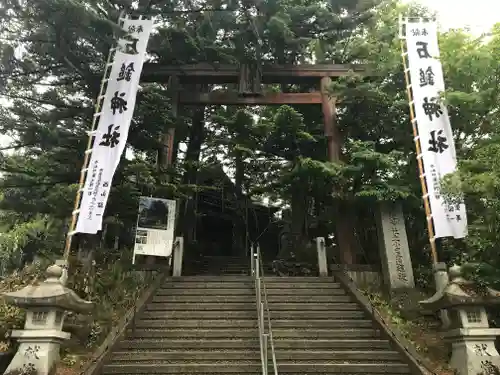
x=41, y=338
x=64, y=265
x=393, y=246
x=441, y=279
x=322, y=260
x=178, y=255
x=472, y=340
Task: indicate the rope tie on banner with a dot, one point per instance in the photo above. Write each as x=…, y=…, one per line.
x=416, y=139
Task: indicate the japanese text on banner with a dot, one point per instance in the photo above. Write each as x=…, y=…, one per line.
x=114, y=123
x=434, y=128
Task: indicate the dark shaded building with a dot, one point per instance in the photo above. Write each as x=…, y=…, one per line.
x=227, y=221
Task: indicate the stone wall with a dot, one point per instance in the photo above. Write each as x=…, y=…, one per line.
x=362, y=274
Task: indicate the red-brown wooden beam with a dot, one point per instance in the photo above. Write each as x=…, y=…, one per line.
x=208, y=73
x=230, y=98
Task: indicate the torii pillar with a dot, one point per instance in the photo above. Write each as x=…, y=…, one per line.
x=344, y=223
x=222, y=74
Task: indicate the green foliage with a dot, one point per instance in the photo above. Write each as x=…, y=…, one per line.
x=421, y=332
x=473, y=98
x=50, y=74
x=374, y=175
x=12, y=317
x=114, y=288
x=41, y=234
x=393, y=316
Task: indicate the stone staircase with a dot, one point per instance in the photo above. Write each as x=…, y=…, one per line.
x=208, y=325
x=193, y=325
x=319, y=329
x=218, y=265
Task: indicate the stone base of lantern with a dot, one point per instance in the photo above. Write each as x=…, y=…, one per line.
x=473, y=350
x=38, y=351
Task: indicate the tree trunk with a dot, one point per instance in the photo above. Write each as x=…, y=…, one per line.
x=175, y=150
x=345, y=224
x=240, y=172
x=344, y=214
x=196, y=138
x=299, y=212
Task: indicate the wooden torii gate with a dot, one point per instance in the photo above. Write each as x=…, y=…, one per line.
x=248, y=93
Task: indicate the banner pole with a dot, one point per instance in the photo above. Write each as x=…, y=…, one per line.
x=88, y=151
x=416, y=138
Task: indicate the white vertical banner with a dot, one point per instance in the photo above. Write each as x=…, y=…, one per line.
x=110, y=137
x=155, y=227
x=433, y=124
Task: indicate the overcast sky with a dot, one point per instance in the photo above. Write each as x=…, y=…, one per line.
x=480, y=15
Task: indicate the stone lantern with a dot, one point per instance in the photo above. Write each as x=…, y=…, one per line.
x=472, y=340
x=41, y=338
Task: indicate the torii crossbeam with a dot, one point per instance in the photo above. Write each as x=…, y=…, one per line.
x=232, y=74
x=318, y=77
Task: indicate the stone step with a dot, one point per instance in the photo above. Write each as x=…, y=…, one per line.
x=222, y=269
x=306, y=280
x=321, y=323
x=214, y=256
x=199, y=323
x=254, y=368
x=310, y=356
x=288, y=289
x=224, y=260
x=298, y=286
x=215, y=272
x=197, y=368
x=218, y=333
x=311, y=333
x=224, y=265
x=187, y=355
x=317, y=314
x=248, y=291
x=217, y=279
x=220, y=272
x=250, y=306
x=340, y=367
x=354, y=315
x=242, y=298
x=306, y=299
x=253, y=344
x=209, y=298
x=219, y=264
x=330, y=344
x=297, y=306
x=189, y=343
x=302, y=292
x=250, y=323
x=315, y=356
x=237, y=373
x=207, y=285
x=214, y=265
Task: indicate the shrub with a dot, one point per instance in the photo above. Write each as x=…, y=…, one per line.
x=112, y=285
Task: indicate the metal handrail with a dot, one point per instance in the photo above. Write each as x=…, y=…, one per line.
x=265, y=336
